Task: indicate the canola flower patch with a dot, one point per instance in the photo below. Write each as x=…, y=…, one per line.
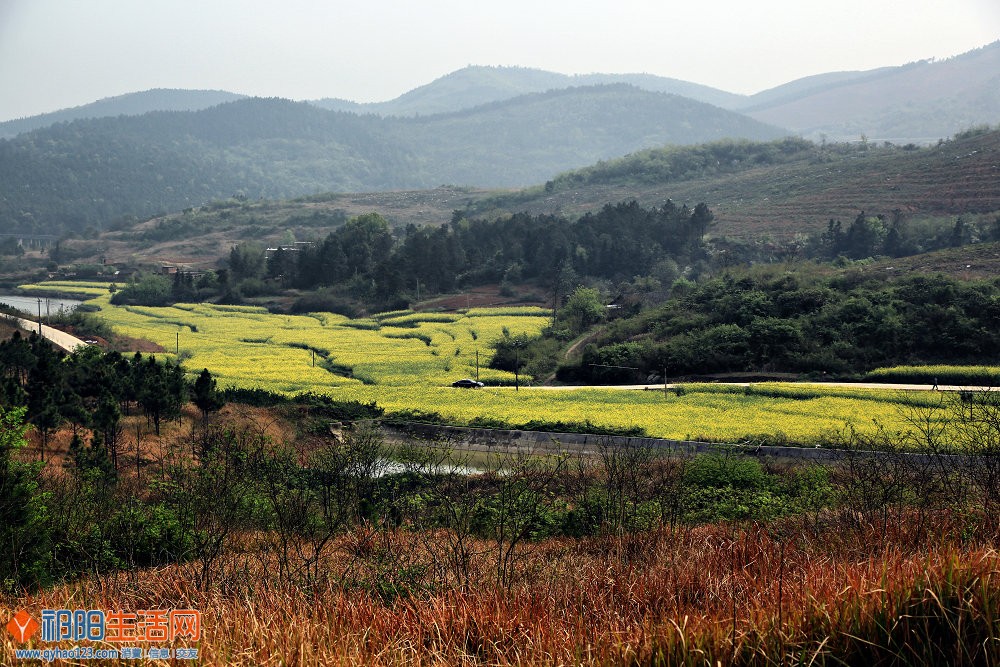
x=292, y=352
x=696, y=415
x=411, y=367
x=80, y=287
x=984, y=376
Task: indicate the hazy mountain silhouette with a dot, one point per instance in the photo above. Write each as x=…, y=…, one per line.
x=920, y=102
x=477, y=85
x=131, y=104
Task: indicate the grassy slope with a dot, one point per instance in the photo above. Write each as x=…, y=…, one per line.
x=214, y=230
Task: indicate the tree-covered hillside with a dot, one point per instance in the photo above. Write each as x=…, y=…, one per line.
x=93, y=172
x=785, y=188
x=774, y=321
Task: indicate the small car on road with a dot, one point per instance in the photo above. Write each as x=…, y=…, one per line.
x=467, y=383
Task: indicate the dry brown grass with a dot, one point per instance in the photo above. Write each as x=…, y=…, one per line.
x=778, y=594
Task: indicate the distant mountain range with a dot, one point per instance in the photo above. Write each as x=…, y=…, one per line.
x=476, y=85
x=919, y=102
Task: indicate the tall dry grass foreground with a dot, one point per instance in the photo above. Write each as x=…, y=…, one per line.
x=776, y=594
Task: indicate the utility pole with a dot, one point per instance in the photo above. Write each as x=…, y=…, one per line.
x=39, y=316
x=664, y=382
x=477, y=364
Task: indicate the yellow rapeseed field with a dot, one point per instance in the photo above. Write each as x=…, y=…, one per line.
x=406, y=360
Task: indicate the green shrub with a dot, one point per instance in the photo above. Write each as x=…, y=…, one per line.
x=717, y=471
x=25, y=529
x=711, y=504
x=143, y=535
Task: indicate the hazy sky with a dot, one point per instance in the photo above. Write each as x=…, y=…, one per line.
x=61, y=53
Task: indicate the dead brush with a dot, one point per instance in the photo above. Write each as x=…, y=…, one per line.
x=757, y=594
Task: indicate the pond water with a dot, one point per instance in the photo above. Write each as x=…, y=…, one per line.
x=390, y=467
x=29, y=304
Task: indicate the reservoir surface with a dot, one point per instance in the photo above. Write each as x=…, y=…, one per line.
x=30, y=304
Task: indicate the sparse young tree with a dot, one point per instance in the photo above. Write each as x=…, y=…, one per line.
x=24, y=530
x=206, y=397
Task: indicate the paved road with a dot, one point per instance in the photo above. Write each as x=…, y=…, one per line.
x=60, y=339
x=852, y=385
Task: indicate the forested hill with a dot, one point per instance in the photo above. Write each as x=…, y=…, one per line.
x=93, y=172
x=775, y=193
x=798, y=321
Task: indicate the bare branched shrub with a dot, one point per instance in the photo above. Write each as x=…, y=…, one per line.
x=213, y=496
x=976, y=428
x=625, y=468
x=946, y=455
x=439, y=505
x=521, y=484
x=664, y=477
x=873, y=476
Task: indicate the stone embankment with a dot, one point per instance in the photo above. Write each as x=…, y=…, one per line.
x=481, y=439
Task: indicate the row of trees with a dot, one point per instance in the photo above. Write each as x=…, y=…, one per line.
x=895, y=236
x=619, y=242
